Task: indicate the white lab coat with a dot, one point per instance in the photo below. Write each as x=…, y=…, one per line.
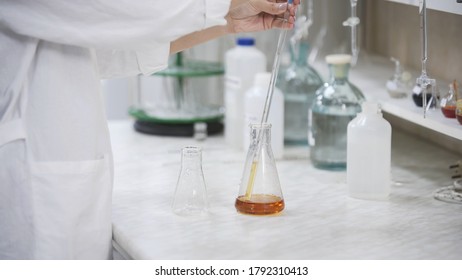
x=55, y=155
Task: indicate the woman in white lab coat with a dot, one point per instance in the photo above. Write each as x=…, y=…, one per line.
x=55, y=155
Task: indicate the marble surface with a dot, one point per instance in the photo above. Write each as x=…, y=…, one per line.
x=320, y=220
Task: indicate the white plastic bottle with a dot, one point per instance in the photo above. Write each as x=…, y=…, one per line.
x=369, y=154
x=241, y=64
x=254, y=103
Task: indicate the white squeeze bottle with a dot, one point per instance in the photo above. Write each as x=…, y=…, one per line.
x=369, y=154
x=241, y=64
x=254, y=103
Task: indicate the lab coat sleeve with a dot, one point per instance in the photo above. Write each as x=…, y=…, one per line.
x=145, y=27
x=120, y=63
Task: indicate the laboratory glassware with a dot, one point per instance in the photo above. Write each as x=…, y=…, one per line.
x=260, y=190
x=299, y=83
x=269, y=96
x=190, y=197
x=254, y=101
x=369, y=154
x=242, y=63
x=449, y=101
x=425, y=92
x=171, y=101
x=398, y=85
x=337, y=103
x=352, y=22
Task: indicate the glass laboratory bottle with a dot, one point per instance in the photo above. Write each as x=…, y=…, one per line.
x=190, y=195
x=448, y=103
x=260, y=191
x=299, y=83
x=337, y=103
x=369, y=154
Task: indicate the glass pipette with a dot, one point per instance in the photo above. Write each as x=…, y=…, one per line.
x=269, y=96
x=352, y=22
x=424, y=81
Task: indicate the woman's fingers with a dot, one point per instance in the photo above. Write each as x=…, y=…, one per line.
x=274, y=8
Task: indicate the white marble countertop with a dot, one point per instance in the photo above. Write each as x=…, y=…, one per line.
x=320, y=220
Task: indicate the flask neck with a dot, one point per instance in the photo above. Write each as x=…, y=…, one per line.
x=191, y=157
x=339, y=73
x=264, y=132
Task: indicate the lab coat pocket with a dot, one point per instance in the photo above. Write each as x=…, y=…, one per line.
x=72, y=209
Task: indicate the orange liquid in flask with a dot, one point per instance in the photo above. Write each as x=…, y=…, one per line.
x=259, y=204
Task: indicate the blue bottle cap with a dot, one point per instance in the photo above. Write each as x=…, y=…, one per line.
x=246, y=41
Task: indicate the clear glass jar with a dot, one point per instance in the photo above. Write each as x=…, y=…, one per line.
x=337, y=103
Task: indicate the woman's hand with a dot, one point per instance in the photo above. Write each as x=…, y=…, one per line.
x=258, y=15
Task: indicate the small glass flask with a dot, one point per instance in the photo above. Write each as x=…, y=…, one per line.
x=337, y=103
x=448, y=103
x=417, y=95
x=299, y=83
x=260, y=191
x=191, y=195
x=398, y=85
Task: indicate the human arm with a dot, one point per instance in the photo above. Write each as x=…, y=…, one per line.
x=112, y=25
x=243, y=16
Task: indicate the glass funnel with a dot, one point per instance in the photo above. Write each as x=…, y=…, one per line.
x=260, y=190
x=337, y=103
x=190, y=197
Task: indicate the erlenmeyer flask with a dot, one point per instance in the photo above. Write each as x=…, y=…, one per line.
x=260, y=191
x=190, y=195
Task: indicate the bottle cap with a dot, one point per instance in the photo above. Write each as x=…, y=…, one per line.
x=370, y=107
x=338, y=59
x=262, y=79
x=245, y=41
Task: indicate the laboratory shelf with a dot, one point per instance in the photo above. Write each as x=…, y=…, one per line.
x=370, y=75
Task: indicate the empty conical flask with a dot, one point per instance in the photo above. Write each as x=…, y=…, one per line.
x=190, y=195
x=260, y=191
